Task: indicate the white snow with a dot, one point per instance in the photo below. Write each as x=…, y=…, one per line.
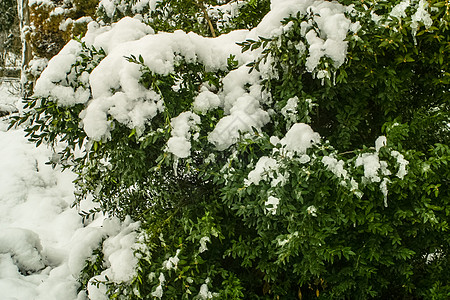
x=264, y=168
x=421, y=16
x=380, y=142
x=402, y=164
x=24, y=247
x=8, y=102
x=299, y=138
x=399, y=11
x=312, y=210
x=171, y=262
x=182, y=125
x=371, y=165
x=203, y=242
x=43, y=243
x=271, y=205
x=384, y=190
x=241, y=95
x=206, y=101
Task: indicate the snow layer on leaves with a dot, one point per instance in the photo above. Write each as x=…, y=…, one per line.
x=299, y=138
x=180, y=144
x=289, y=111
x=117, y=247
x=109, y=37
x=380, y=142
x=171, y=262
x=138, y=6
x=225, y=13
x=330, y=19
x=242, y=97
x=109, y=6
x=117, y=93
x=279, y=10
x=371, y=165
x=399, y=11
x=264, y=168
x=204, y=292
x=335, y=166
x=51, y=83
x=133, y=100
x=334, y=27
x=421, y=16
x=245, y=115
x=271, y=204
x=418, y=11
x=203, y=247
x=311, y=210
x=37, y=65
x=158, y=292
x=206, y=101
x=402, y=162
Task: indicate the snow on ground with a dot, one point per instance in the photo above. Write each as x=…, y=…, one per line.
x=43, y=243
x=7, y=98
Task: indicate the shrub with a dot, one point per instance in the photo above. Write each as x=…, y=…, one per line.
x=310, y=160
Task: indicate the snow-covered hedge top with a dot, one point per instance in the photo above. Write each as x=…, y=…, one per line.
x=113, y=88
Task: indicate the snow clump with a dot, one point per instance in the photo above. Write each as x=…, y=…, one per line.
x=300, y=138
x=271, y=205
x=171, y=262
x=264, y=168
x=179, y=144
x=25, y=248
x=158, y=292
x=203, y=242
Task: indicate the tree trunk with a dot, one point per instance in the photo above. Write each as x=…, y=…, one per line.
x=24, y=19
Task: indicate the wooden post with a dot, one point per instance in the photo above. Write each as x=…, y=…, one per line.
x=24, y=20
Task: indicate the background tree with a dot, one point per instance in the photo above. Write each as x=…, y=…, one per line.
x=9, y=37
x=308, y=162
x=46, y=27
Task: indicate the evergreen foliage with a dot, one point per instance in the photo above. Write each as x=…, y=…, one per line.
x=9, y=35
x=54, y=23
x=318, y=222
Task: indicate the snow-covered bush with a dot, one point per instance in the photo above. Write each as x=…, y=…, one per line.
x=304, y=157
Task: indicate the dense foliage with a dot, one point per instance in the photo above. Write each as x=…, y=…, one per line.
x=9, y=36
x=53, y=23
x=206, y=17
x=278, y=213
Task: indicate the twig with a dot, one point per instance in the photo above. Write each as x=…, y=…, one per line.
x=205, y=14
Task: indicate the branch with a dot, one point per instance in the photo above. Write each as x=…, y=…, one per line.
x=205, y=14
